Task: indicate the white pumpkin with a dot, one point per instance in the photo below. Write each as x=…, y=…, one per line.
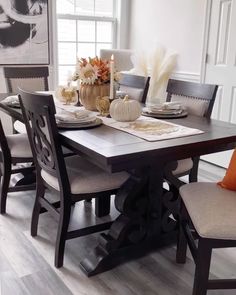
x=125, y=110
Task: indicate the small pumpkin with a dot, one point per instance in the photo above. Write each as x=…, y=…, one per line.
x=125, y=110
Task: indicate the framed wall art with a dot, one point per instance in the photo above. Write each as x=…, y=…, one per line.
x=24, y=33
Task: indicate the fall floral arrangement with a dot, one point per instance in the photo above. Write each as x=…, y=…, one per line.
x=93, y=71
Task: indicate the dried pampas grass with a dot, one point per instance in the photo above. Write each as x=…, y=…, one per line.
x=159, y=65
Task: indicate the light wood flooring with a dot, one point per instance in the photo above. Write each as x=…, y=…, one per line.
x=26, y=263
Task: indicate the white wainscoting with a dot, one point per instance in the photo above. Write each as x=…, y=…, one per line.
x=186, y=76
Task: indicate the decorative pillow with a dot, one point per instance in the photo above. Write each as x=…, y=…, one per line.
x=229, y=180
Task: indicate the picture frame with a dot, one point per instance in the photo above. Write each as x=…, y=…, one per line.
x=24, y=32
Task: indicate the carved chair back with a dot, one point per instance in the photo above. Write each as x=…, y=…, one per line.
x=135, y=86
x=4, y=149
x=27, y=78
x=198, y=98
x=39, y=115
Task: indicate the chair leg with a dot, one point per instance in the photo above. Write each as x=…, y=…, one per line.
x=62, y=234
x=102, y=205
x=193, y=175
x=5, y=181
x=181, y=247
x=203, y=262
x=40, y=191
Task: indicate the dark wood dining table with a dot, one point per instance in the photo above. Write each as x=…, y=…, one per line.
x=145, y=208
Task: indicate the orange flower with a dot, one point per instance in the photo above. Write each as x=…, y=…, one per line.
x=92, y=71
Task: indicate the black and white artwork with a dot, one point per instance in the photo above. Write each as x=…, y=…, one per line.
x=24, y=32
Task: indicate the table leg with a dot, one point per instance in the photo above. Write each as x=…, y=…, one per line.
x=143, y=224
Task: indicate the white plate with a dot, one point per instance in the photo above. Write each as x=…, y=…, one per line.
x=162, y=111
x=95, y=123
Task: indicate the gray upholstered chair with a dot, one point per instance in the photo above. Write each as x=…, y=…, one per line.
x=199, y=100
x=27, y=78
x=121, y=57
x=14, y=149
x=208, y=215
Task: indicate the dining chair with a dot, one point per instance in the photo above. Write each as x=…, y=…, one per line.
x=135, y=86
x=198, y=99
x=122, y=58
x=28, y=78
x=73, y=178
x=207, y=221
x=14, y=149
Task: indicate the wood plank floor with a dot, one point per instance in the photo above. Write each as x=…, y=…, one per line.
x=26, y=263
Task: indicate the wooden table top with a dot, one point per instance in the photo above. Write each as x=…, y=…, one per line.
x=115, y=150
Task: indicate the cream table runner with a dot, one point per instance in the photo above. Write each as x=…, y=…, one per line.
x=152, y=129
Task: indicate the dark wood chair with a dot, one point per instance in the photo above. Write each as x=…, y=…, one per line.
x=14, y=149
x=74, y=178
x=199, y=100
x=27, y=78
x=135, y=86
x=208, y=215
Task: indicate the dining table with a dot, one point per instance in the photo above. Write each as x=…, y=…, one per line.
x=147, y=211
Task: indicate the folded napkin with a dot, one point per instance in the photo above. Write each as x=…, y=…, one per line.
x=11, y=100
x=79, y=116
x=165, y=108
x=175, y=105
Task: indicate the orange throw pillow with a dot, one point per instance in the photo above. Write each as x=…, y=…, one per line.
x=229, y=180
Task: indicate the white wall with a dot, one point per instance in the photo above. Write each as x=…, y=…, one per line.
x=176, y=24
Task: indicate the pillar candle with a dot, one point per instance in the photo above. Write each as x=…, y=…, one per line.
x=112, y=65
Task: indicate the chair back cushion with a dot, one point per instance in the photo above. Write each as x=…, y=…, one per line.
x=229, y=180
x=197, y=98
x=134, y=93
x=27, y=78
x=29, y=84
x=135, y=86
x=121, y=58
x=197, y=107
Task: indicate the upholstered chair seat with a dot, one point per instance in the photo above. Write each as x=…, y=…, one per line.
x=183, y=166
x=212, y=209
x=207, y=221
x=86, y=178
x=19, y=145
x=19, y=127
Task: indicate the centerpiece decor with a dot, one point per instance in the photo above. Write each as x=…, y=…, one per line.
x=67, y=94
x=94, y=76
